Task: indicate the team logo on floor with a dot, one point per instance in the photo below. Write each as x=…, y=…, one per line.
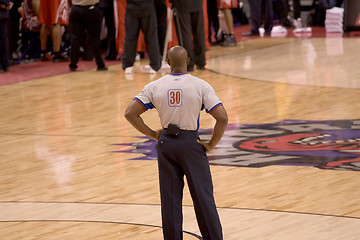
x=321, y=144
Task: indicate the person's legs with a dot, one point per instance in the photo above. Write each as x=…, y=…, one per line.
x=93, y=25
x=212, y=12
x=197, y=171
x=268, y=16
x=148, y=26
x=111, y=51
x=13, y=31
x=184, y=29
x=171, y=179
x=255, y=18
x=44, y=34
x=161, y=16
x=4, y=46
x=132, y=28
x=45, y=21
x=339, y=3
x=229, y=20
x=77, y=33
x=56, y=36
x=281, y=9
x=297, y=9
x=197, y=22
x=230, y=39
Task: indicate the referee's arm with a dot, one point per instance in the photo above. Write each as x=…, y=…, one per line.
x=132, y=114
x=221, y=118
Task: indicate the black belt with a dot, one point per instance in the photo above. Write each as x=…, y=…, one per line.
x=86, y=6
x=175, y=130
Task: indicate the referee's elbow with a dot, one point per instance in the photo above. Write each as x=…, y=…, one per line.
x=223, y=119
x=128, y=114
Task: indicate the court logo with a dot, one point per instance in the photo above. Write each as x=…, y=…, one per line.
x=322, y=144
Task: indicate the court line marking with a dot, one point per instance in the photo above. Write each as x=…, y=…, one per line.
x=92, y=221
x=185, y=205
x=237, y=223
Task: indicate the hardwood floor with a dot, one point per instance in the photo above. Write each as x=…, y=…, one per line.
x=73, y=168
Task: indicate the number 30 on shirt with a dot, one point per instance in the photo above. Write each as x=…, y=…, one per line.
x=175, y=97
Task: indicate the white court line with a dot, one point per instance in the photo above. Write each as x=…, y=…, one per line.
x=237, y=223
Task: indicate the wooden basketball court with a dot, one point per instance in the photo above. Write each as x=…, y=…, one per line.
x=73, y=168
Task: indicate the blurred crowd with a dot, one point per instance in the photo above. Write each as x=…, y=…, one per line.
x=69, y=30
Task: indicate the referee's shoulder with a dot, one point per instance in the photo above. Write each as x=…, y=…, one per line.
x=158, y=80
x=201, y=81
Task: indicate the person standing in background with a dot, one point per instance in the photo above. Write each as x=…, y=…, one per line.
x=296, y=9
x=161, y=18
x=5, y=6
x=85, y=14
x=257, y=9
x=107, y=7
x=52, y=15
x=225, y=6
x=281, y=9
x=14, y=29
x=141, y=15
x=190, y=31
x=212, y=11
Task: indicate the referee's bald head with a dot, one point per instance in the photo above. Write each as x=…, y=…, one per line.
x=177, y=57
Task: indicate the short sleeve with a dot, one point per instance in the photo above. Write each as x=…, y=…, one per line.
x=210, y=100
x=144, y=98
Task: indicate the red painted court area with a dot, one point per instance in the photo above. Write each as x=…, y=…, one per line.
x=39, y=69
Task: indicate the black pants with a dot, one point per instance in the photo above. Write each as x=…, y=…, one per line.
x=149, y=27
x=179, y=156
x=108, y=14
x=212, y=12
x=261, y=9
x=191, y=29
x=281, y=9
x=297, y=9
x=4, y=45
x=89, y=18
x=161, y=18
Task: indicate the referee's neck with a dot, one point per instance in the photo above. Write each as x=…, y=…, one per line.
x=178, y=70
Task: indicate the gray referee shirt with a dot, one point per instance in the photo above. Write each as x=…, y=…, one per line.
x=179, y=98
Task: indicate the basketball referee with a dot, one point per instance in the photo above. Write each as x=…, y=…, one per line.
x=179, y=97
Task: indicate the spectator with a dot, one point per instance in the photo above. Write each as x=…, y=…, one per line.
x=161, y=18
x=107, y=7
x=85, y=15
x=191, y=20
x=52, y=15
x=281, y=9
x=296, y=9
x=213, y=18
x=140, y=15
x=30, y=28
x=14, y=28
x=5, y=6
x=257, y=7
x=225, y=6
